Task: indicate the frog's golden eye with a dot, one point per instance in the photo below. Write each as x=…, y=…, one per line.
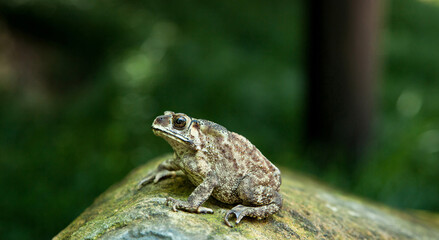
x=179, y=122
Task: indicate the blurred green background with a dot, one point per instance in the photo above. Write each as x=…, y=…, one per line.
x=81, y=82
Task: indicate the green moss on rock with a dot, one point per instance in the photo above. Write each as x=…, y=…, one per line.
x=311, y=211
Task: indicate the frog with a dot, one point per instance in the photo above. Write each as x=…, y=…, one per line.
x=221, y=164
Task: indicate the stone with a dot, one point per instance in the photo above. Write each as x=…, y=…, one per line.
x=311, y=210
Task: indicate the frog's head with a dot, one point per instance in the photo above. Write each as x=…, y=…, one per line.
x=176, y=129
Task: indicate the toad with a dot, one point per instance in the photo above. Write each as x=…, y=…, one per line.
x=221, y=164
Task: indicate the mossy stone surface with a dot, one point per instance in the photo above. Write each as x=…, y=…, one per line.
x=311, y=211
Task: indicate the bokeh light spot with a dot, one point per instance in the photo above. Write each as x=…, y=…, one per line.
x=409, y=103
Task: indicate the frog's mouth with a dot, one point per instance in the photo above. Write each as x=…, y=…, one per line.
x=172, y=135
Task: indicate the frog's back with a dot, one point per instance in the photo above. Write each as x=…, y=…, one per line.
x=235, y=156
x=240, y=159
x=251, y=160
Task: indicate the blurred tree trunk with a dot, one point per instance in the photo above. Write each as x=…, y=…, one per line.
x=341, y=75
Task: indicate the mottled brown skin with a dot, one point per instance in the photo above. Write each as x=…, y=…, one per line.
x=221, y=164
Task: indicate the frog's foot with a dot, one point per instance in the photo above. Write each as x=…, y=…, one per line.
x=186, y=206
x=155, y=177
x=240, y=212
x=258, y=212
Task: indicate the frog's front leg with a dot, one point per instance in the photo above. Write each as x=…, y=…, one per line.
x=197, y=197
x=166, y=169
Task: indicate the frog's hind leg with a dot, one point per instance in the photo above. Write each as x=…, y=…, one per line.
x=262, y=202
x=260, y=212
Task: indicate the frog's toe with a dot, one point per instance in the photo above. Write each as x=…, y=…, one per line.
x=226, y=219
x=204, y=210
x=163, y=174
x=173, y=203
x=144, y=182
x=239, y=212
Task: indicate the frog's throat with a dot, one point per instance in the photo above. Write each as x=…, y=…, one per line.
x=173, y=135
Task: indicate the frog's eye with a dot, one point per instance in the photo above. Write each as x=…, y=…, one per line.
x=179, y=122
